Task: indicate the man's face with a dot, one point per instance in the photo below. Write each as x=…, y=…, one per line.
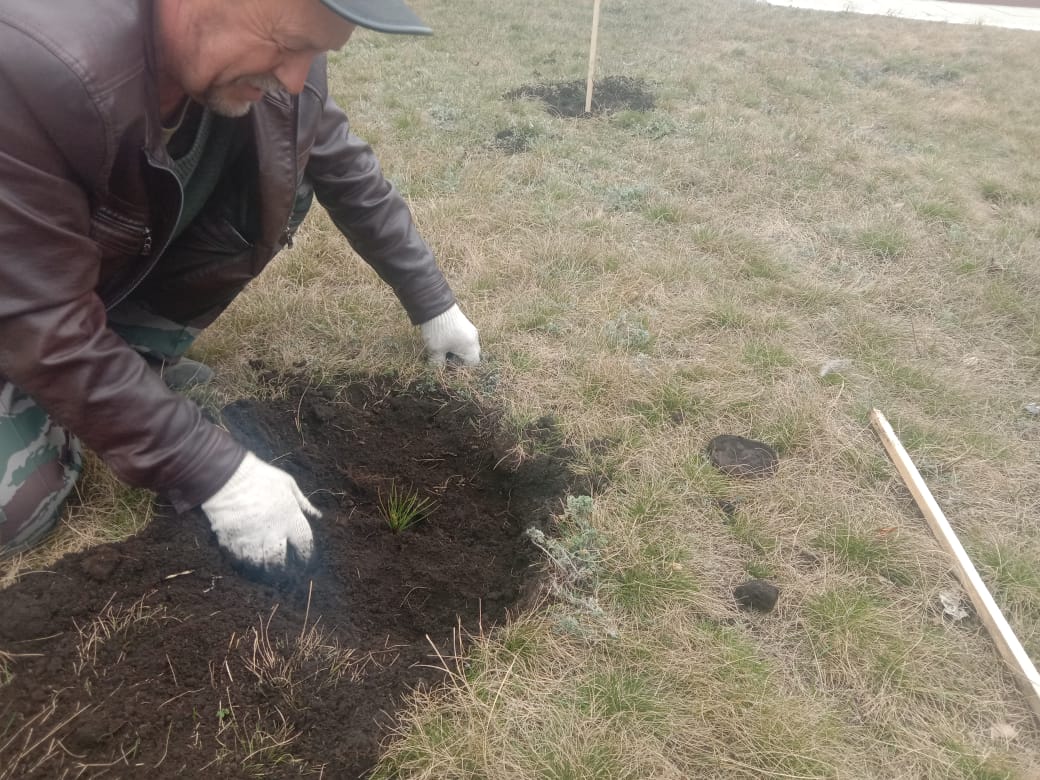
x=227, y=55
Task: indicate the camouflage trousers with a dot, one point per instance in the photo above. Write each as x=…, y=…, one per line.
x=40, y=460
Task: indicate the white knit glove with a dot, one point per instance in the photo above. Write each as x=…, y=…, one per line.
x=453, y=333
x=260, y=512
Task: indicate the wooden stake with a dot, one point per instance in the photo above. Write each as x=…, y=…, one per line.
x=1010, y=648
x=592, y=56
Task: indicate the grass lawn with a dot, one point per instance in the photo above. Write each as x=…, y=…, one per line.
x=821, y=214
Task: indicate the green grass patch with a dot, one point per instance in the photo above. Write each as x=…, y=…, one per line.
x=649, y=501
x=766, y=357
x=759, y=570
x=876, y=552
x=882, y=243
x=728, y=315
x=788, y=430
x=580, y=758
x=1011, y=572
x=626, y=693
x=544, y=316
x=855, y=636
x=644, y=588
x=703, y=479
x=403, y=508
x=753, y=532
x=674, y=402
x=940, y=211
x=968, y=765
x=1001, y=194
x=869, y=469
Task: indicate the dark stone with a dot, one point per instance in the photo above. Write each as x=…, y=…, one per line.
x=757, y=594
x=740, y=457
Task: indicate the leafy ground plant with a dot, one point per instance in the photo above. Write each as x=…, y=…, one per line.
x=403, y=508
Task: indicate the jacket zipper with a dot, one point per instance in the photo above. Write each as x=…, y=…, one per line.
x=287, y=234
x=129, y=288
x=134, y=226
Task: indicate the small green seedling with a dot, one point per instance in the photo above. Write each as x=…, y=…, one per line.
x=403, y=509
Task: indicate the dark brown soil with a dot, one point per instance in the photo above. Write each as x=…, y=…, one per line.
x=609, y=95
x=170, y=691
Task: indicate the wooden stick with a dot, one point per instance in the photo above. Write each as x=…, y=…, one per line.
x=592, y=56
x=1010, y=648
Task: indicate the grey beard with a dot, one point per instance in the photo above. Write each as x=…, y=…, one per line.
x=216, y=102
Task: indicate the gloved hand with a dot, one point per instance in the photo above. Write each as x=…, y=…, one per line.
x=259, y=513
x=451, y=332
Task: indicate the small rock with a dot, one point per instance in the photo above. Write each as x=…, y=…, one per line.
x=740, y=457
x=1032, y=408
x=757, y=594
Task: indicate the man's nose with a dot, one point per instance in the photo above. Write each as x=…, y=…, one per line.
x=293, y=71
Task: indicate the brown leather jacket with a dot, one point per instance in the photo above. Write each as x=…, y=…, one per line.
x=87, y=204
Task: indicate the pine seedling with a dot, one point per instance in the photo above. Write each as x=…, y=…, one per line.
x=403, y=509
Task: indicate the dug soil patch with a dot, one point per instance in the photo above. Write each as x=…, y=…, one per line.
x=153, y=657
x=567, y=98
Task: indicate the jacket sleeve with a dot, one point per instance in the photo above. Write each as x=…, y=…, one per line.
x=54, y=341
x=371, y=213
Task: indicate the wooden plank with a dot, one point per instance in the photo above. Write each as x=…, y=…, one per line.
x=592, y=56
x=1003, y=636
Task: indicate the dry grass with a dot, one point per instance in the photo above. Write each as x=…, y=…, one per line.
x=36, y=744
x=292, y=668
x=289, y=671
x=256, y=743
x=111, y=622
x=824, y=213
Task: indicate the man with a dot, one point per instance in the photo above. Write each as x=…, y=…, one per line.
x=154, y=156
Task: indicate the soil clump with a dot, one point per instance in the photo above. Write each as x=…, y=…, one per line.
x=760, y=595
x=155, y=656
x=738, y=456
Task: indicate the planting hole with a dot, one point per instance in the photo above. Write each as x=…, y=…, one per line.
x=609, y=95
x=208, y=668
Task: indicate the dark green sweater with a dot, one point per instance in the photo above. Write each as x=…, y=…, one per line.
x=201, y=148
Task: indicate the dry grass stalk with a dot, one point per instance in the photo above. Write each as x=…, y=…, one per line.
x=293, y=668
x=112, y=621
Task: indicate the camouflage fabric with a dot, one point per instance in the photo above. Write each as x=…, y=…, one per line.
x=39, y=460
x=150, y=334
x=39, y=464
